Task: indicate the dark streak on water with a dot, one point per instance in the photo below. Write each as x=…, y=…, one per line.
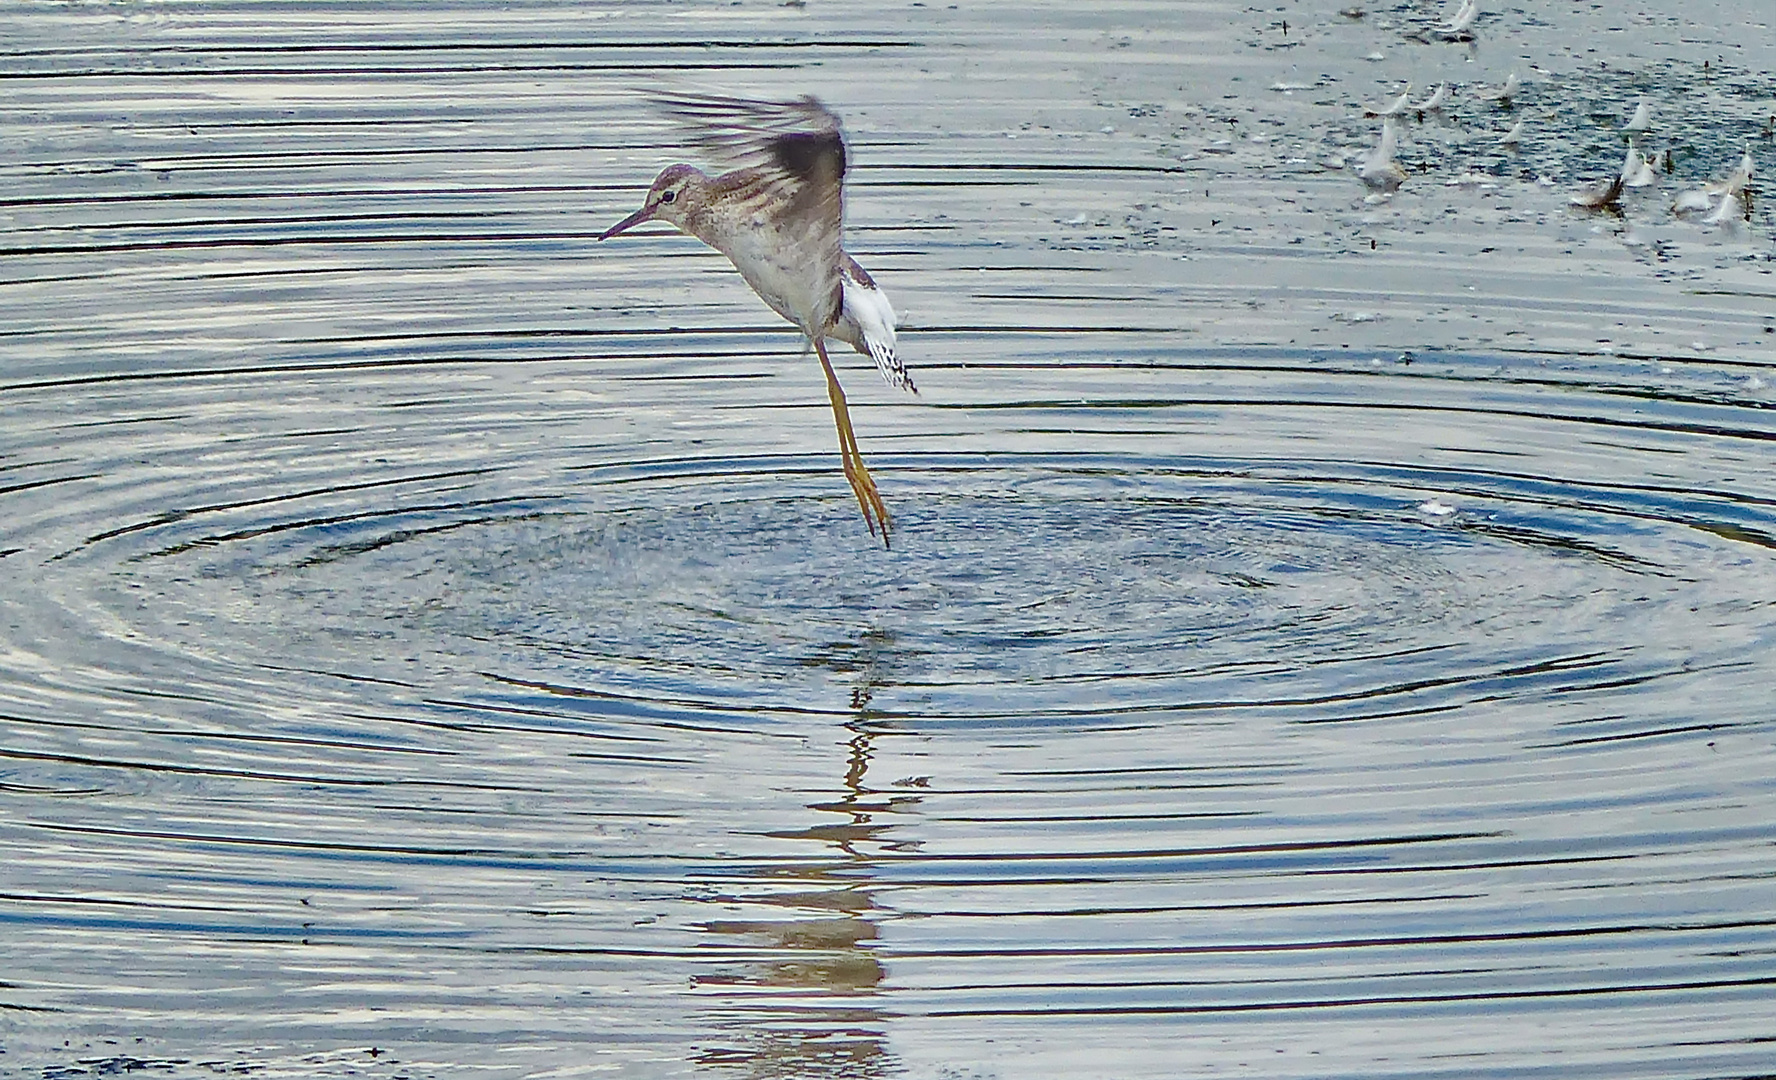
x=1327, y=636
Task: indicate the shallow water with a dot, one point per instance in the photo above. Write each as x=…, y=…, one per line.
x=1324, y=635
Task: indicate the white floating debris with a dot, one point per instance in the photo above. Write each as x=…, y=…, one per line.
x=1436, y=508
x=1471, y=179
x=1376, y=57
x=1357, y=316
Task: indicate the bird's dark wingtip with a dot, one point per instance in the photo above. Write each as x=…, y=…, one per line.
x=809, y=156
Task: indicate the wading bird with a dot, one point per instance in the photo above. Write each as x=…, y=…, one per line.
x=778, y=215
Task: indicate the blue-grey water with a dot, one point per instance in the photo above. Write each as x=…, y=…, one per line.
x=1328, y=634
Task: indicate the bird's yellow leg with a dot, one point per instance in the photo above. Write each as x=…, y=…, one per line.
x=868, y=498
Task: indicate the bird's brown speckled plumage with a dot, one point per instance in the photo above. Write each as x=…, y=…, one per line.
x=778, y=216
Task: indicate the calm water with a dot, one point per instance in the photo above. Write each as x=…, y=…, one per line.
x=1327, y=635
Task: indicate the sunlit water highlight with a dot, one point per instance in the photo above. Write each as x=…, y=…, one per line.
x=1325, y=635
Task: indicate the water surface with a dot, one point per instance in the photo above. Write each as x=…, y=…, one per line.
x=1325, y=634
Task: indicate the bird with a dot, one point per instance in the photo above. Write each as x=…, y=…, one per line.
x=1602, y=195
x=1378, y=170
x=1509, y=90
x=1461, y=27
x=1435, y=103
x=1400, y=105
x=1637, y=170
x=1725, y=197
x=778, y=215
x=1642, y=120
x=1513, y=137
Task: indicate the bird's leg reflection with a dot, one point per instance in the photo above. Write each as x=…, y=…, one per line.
x=803, y=1008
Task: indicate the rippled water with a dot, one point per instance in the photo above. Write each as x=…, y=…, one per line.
x=1326, y=635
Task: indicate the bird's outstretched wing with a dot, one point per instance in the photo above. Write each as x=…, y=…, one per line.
x=801, y=138
x=793, y=154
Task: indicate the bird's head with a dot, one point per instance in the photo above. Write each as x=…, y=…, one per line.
x=668, y=200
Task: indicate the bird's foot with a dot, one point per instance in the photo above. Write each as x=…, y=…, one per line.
x=869, y=500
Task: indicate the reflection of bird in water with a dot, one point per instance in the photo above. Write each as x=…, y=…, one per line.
x=808, y=926
x=779, y=216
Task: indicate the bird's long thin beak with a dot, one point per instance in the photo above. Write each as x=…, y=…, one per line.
x=646, y=213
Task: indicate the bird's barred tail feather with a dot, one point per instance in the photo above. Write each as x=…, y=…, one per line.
x=893, y=369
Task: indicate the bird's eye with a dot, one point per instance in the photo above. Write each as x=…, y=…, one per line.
x=668, y=196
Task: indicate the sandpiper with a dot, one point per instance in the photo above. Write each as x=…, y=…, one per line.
x=779, y=216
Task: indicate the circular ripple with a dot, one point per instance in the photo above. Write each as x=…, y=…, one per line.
x=1041, y=589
